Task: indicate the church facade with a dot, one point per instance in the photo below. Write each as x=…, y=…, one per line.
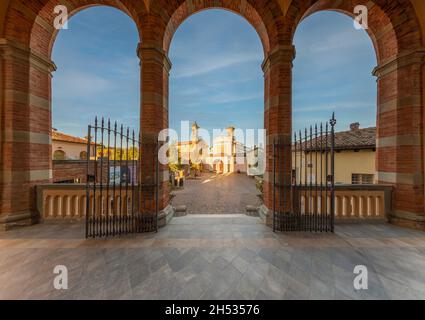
x=225, y=154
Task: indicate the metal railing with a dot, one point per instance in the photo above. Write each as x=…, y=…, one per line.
x=120, y=198
x=303, y=179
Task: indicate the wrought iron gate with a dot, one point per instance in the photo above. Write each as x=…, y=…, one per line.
x=121, y=198
x=303, y=179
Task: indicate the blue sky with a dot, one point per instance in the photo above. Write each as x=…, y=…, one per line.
x=216, y=77
x=333, y=72
x=98, y=71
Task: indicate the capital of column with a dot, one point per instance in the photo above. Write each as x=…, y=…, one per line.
x=154, y=53
x=14, y=50
x=280, y=54
x=403, y=59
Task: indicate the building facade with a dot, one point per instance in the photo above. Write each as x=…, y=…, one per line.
x=193, y=152
x=67, y=147
x=355, y=152
x=228, y=155
x=69, y=155
x=225, y=155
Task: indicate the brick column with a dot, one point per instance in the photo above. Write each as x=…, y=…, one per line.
x=400, y=157
x=25, y=131
x=155, y=69
x=277, y=69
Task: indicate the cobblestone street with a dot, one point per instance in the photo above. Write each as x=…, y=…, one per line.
x=218, y=194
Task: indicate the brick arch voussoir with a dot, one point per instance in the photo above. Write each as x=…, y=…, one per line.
x=265, y=16
x=35, y=26
x=272, y=17
x=393, y=27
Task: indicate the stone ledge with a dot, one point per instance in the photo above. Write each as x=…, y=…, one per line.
x=10, y=222
x=165, y=216
x=407, y=220
x=19, y=51
x=252, y=211
x=377, y=220
x=402, y=60
x=263, y=213
x=180, y=211
x=407, y=223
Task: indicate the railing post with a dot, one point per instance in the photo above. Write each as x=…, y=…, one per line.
x=108, y=178
x=158, y=184
x=274, y=185
x=333, y=123
x=101, y=226
x=88, y=180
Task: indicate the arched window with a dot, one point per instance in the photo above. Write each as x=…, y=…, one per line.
x=83, y=155
x=59, y=155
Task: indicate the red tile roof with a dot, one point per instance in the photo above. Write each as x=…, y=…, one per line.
x=59, y=136
x=347, y=140
x=356, y=139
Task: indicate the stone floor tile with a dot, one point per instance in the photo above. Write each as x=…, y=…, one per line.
x=215, y=257
x=250, y=284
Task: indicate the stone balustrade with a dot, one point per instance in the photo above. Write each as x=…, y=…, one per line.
x=363, y=201
x=351, y=201
x=68, y=201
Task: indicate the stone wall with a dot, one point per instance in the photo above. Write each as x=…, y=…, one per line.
x=67, y=170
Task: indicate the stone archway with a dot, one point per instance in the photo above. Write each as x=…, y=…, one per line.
x=265, y=17
x=26, y=72
x=26, y=41
x=397, y=39
x=242, y=8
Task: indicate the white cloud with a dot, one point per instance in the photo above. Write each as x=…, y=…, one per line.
x=220, y=99
x=79, y=83
x=334, y=107
x=127, y=67
x=341, y=40
x=232, y=98
x=232, y=81
x=207, y=64
x=192, y=91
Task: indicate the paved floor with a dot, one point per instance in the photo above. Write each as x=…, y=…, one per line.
x=218, y=194
x=214, y=257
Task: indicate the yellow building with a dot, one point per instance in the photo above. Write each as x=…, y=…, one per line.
x=67, y=147
x=193, y=151
x=354, y=158
x=226, y=155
